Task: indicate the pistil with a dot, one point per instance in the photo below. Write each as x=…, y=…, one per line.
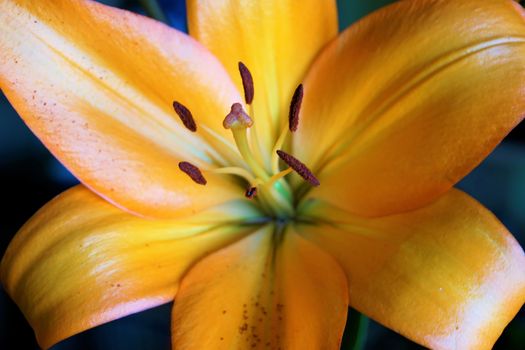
x=238, y=122
x=276, y=198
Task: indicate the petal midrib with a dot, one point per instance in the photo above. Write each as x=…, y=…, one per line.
x=381, y=104
x=155, y=120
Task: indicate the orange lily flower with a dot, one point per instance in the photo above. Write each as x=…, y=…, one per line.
x=204, y=211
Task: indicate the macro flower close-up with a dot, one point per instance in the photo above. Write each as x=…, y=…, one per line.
x=266, y=172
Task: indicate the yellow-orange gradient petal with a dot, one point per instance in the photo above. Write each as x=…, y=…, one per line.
x=264, y=292
x=96, y=85
x=80, y=261
x=410, y=99
x=276, y=39
x=448, y=276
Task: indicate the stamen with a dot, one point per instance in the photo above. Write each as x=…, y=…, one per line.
x=278, y=144
x=251, y=192
x=278, y=176
x=299, y=167
x=193, y=172
x=185, y=116
x=247, y=83
x=237, y=118
x=295, y=108
x=293, y=123
x=254, y=138
x=235, y=171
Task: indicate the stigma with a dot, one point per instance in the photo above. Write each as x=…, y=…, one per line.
x=237, y=118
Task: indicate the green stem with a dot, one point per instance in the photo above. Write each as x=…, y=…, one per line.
x=356, y=330
x=153, y=10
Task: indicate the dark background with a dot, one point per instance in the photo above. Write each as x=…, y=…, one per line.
x=30, y=177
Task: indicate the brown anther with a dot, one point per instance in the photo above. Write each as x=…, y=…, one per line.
x=193, y=172
x=237, y=118
x=247, y=83
x=295, y=108
x=299, y=167
x=251, y=192
x=185, y=116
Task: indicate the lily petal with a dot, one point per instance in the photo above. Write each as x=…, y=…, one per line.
x=409, y=100
x=96, y=85
x=262, y=294
x=448, y=276
x=80, y=261
x=276, y=39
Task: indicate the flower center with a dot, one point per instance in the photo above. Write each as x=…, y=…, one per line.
x=267, y=187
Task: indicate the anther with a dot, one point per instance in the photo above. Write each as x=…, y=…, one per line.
x=247, y=83
x=237, y=118
x=185, y=116
x=193, y=172
x=299, y=167
x=295, y=108
x=251, y=192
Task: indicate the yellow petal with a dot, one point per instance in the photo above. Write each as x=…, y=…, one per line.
x=96, y=85
x=276, y=39
x=264, y=292
x=80, y=262
x=448, y=276
x=410, y=99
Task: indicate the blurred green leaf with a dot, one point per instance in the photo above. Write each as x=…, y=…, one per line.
x=356, y=331
x=153, y=10
x=352, y=10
